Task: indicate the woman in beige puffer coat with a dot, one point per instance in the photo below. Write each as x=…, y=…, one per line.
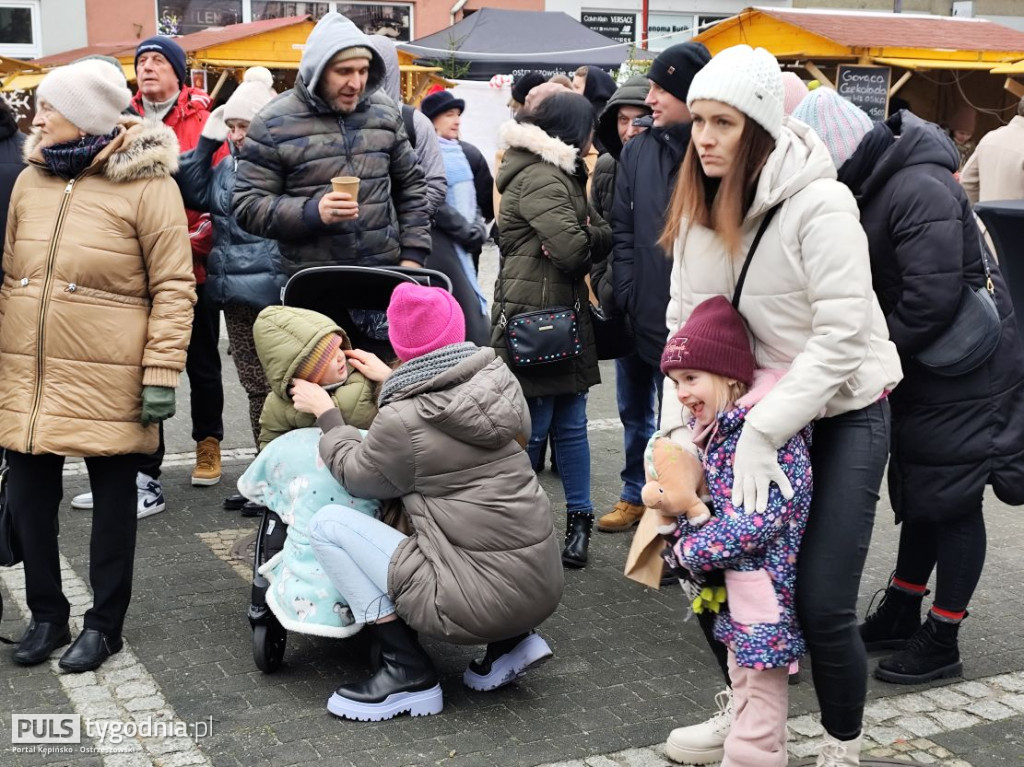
x=95, y=317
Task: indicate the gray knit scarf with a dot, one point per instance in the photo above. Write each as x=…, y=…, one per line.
x=420, y=369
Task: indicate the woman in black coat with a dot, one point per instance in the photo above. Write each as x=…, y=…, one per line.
x=951, y=436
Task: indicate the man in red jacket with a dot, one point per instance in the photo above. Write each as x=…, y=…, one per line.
x=161, y=74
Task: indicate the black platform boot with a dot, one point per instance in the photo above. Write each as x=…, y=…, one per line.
x=932, y=653
x=404, y=681
x=897, y=618
x=577, y=538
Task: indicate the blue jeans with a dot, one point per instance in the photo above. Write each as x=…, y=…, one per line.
x=565, y=416
x=355, y=551
x=638, y=392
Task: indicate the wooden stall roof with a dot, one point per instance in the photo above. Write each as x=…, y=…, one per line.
x=904, y=40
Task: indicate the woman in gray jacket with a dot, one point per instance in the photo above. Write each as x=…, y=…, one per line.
x=481, y=562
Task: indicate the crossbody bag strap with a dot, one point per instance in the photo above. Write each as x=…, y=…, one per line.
x=983, y=244
x=750, y=254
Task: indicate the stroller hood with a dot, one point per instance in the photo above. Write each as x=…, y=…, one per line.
x=284, y=337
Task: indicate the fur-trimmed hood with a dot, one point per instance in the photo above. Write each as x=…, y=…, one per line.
x=140, y=149
x=513, y=135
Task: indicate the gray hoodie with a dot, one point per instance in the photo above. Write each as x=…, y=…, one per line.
x=428, y=153
x=334, y=33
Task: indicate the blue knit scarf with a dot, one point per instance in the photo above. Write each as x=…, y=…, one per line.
x=461, y=195
x=70, y=158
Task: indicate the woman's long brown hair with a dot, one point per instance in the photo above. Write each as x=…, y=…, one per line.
x=696, y=199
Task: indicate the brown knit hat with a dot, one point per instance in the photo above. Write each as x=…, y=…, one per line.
x=313, y=367
x=713, y=340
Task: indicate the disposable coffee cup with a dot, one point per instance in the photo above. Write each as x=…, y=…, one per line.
x=348, y=184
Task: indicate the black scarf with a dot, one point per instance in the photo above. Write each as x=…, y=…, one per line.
x=69, y=158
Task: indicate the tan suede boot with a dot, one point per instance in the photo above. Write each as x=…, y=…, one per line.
x=624, y=516
x=207, y=470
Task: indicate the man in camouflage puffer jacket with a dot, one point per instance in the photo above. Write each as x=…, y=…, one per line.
x=334, y=123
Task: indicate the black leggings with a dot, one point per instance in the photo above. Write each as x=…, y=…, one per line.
x=954, y=548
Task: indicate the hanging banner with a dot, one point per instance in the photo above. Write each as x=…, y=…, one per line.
x=620, y=27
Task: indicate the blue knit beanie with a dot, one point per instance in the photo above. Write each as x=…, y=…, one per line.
x=839, y=123
x=167, y=48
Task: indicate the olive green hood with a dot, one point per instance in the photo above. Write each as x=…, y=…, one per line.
x=285, y=336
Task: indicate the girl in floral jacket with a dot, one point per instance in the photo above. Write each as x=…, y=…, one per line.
x=712, y=364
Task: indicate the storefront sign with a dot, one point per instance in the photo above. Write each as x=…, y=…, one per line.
x=620, y=27
x=392, y=20
x=182, y=17
x=867, y=87
x=665, y=29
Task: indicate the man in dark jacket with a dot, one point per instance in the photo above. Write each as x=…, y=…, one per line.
x=640, y=269
x=334, y=123
x=617, y=124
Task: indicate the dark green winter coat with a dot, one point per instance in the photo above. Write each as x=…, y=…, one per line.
x=297, y=143
x=284, y=337
x=543, y=202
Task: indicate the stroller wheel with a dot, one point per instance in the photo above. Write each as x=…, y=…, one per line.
x=268, y=642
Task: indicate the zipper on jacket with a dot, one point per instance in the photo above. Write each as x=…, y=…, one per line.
x=43, y=302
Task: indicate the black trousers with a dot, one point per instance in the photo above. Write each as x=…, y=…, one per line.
x=202, y=366
x=34, y=492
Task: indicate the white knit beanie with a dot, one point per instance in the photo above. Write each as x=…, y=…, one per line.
x=255, y=90
x=839, y=123
x=747, y=79
x=90, y=94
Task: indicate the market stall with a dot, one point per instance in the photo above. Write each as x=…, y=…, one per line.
x=938, y=65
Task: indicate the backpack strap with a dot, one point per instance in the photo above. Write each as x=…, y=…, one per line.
x=410, y=125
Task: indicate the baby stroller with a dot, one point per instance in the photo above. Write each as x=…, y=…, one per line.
x=345, y=294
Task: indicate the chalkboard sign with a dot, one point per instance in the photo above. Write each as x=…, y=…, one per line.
x=867, y=87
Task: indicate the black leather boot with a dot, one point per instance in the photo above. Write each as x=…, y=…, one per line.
x=897, y=618
x=405, y=681
x=932, y=653
x=39, y=641
x=577, y=538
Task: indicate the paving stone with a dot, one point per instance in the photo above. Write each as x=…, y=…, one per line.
x=974, y=689
x=946, y=698
x=954, y=720
x=921, y=726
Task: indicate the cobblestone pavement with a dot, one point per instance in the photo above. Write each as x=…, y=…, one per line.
x=626, y=670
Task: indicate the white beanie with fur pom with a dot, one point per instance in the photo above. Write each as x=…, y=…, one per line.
x=255, y=90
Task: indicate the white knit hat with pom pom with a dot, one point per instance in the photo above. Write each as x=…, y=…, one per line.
x=255, y=90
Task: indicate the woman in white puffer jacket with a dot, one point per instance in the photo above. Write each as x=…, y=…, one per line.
x=808, y=302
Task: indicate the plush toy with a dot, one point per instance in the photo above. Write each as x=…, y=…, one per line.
x=675, y=479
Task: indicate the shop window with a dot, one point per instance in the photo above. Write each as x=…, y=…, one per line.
x=392, y=20
x=183, y=17
x=273, y=9
x=19, y=29
x=710, y=19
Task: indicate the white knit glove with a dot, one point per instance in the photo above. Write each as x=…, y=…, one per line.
x=215, y=128
x=755, y=467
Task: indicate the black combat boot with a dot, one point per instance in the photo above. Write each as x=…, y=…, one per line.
x=897, y=618
x=932, y=653
x=577, y=538
x=404, y=681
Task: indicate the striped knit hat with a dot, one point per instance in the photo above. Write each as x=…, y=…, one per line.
x=839, y=123
x=313, y=367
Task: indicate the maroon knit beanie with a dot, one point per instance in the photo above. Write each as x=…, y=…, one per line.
x=713, y=340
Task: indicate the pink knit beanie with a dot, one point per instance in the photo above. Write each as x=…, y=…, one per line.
x=840, y=124
x=422, y=320
x=794, y=90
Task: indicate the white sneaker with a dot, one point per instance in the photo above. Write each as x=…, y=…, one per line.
x=702, y=743
x=151, y=495
x=82, y=501
x=839, y=753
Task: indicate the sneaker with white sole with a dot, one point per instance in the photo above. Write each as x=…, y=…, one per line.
x=839, y=753
x=151, y=496
x=506, y=661
x=703, y=743
x=82, y=501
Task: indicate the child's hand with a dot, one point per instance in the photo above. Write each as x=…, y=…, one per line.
x=369, y=364
x=310, y=397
